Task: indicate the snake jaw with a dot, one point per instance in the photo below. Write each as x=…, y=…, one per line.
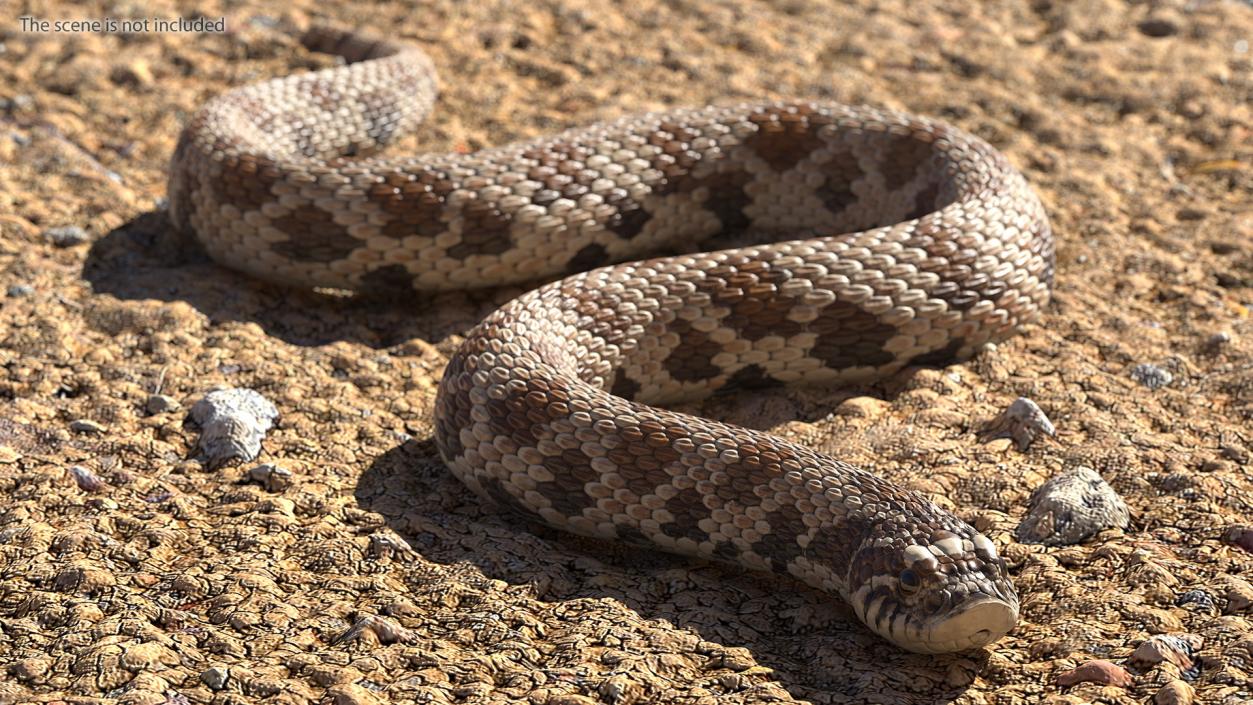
x=979, y=621
x=949, y=592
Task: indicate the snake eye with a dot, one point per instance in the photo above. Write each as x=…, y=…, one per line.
x=910, y=580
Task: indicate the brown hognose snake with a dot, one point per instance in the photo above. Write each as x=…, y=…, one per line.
x=546, y=408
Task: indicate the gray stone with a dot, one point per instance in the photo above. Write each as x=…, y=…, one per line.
x=1152, y=376
x=233, y=423
x=215, y=677
x=1070, y=507
x=1023, y=421
x=66, y=235
x=161, y=403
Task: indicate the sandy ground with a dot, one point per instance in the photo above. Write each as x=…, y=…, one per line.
x=373, y=576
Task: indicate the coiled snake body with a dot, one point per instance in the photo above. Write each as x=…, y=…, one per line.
x=547, y=406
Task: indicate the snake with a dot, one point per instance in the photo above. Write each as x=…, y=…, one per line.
x=674, y=255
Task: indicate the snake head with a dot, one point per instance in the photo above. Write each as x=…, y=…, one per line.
x=933, y=590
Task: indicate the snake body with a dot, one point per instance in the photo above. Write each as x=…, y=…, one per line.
x=905, y=241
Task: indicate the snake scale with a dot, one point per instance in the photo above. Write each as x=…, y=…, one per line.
x=896, y=240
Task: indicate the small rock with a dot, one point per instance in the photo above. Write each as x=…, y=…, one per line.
x=358, y=694
x=961, y=673
x=87, y=480
x=215, y=677
x=1216, y=465
x=84, y=580
x=1151, y=376
x=1196, y=600
x=1070, y=507
x=17, y=291
x=1237, y=592
x=1175, y=648
x=1240, y=535
x=621, y=688
x=31, y=669
x=1174, y=693
x=233, y=423
x=66, y=236
x=387, y=631
x=1158, y=27
x=148, y=655
x=1218, y=340
x=86, y=426
x=388, y=545
x=277, y=505
x=1193, y=110
x=272, y=477
x=1234, y=452
x=102, y=504
x=1023, y=421
x=160, y=404
x=862, y=407
x=1098, y=671
x=136, y=73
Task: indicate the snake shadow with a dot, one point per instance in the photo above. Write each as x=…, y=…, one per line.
x=147, y=259
x=811, y=642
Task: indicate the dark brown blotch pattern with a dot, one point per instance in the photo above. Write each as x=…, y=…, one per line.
x=850, y=337
x=241, y=179
x=779, y=546
x=675, y=157
x=524, y=417
x=902, y=159
x=314, y=236
x=750, y=288
x=484, y=231
x=785, y=136
x=388, y=279
x=833, y=546
x=630, y=219
x=589, y=257
x=414, y=202
x=727, y=197
x=943, y=356
x=946, y=261
x=749, y=377
x=571, y=472
x=842, y=171
x=642, y=453
x=688, y=510
x=632, y=535
x=692, y=360
x=736, y=483
x=607, y=320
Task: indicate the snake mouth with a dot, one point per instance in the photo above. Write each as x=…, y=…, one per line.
x=977, y=623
